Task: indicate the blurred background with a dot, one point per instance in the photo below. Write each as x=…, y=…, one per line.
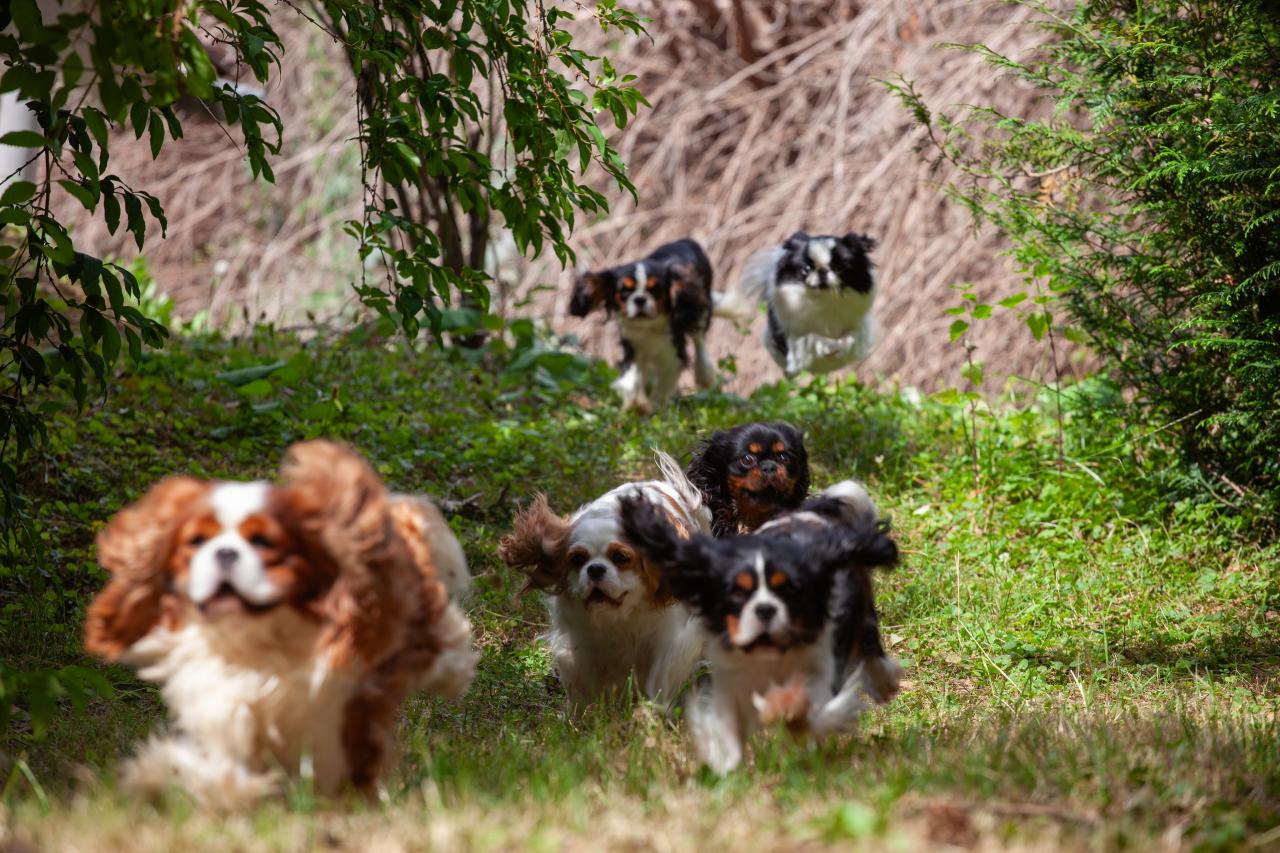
x=767, y=117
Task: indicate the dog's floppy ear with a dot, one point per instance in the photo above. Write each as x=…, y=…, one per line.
x=688, y=293
x=333, y=500
x=133, y=547
x=795, y=241
x=708, y=471
x=855, y=267
x=685, y=563
x=590, y=291
x=858, y=242
x=844, y=547
x=795, y=443
x=537, y=545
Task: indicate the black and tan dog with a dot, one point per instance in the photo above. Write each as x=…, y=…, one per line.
x=751, y=473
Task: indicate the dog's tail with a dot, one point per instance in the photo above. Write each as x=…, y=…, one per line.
x=859, y=508
x=733, y=306
x=742, y=305
x=690, y=495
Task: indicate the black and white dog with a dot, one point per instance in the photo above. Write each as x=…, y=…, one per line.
x=819, y=290
x=781, y=616
x=663, y=301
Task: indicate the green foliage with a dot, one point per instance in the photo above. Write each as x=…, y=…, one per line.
x=469, y=108
x=1147, y=205
x=68, y=314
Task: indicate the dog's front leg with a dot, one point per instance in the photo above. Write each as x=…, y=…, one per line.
x=673, y=661
x=704, y=374
x=799, y=355
x=717, y=732
x=840, y=712
x=851, y=346
x=630, y=386
x=454, y=667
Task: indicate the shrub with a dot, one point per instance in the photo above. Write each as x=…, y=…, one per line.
x=1146, y=202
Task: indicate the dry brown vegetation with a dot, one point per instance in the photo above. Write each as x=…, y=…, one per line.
x=767, y=117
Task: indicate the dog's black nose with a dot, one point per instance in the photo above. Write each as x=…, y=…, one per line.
x=595, y=571
x=766, y=612
x=769, y=467
x=226, y=557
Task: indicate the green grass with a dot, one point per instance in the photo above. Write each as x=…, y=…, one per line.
x=1088, y=665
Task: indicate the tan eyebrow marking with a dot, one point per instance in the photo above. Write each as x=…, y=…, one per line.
x=755, y=447
x=745, y=580
x=777, y=579
x=779, y=446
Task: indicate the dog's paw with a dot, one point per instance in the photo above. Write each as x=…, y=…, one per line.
x=882, y=678
x=783, y=703
x=704, y=375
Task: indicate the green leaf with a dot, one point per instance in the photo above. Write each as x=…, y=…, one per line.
x=24, y=139
x=256, y=389
x=156, y=129
x=133, y=211
x=18, y=192
x=110, y=343
x=82, y=194
x=97, y=126
x=26, y=17
x=63, y=251
x=110, y=210
x=138, y=118
x=958, y=328
x=245, y=375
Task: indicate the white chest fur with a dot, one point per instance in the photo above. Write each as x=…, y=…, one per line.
x=597, y=650
x=251, y=694
x=736, y=678
x=655, y=370
x=651, y=341
x=832, y=313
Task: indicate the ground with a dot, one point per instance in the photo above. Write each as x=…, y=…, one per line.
x=1090, y=664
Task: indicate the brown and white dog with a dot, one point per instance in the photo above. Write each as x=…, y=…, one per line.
x=284, y=622
x=613, y=617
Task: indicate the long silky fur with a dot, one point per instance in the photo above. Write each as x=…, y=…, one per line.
x=344, y=506
x=132, y=548
x=536, y=546
x=685, y=488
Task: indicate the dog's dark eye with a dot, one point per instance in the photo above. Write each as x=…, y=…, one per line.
x=806, y=268
x=198, y=539
x=257, y=540
x=621, y=558
x=578, y=560
x=749, y=460
x=783, y=457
